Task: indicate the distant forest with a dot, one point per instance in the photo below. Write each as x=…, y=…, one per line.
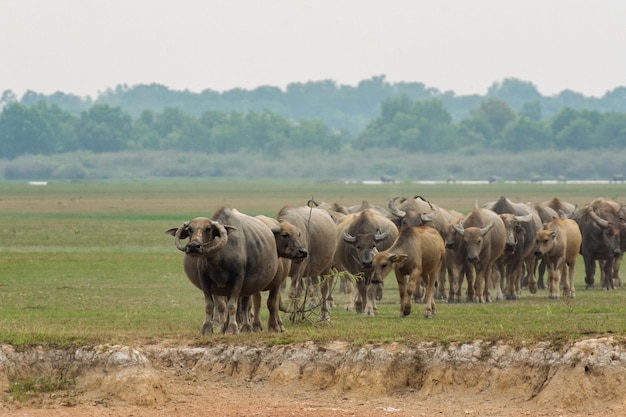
x=319, y=116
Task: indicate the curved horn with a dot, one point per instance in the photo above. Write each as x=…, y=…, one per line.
x=394, y=210
x=599, y=220
x=459, y=229
x=221, y=240
x=276, y=229
x=380, y=236
x=524, y=219
x=179, y=231
x=348, y=237
x=485, y=229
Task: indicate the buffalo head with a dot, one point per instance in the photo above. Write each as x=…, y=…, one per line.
x=205, y=236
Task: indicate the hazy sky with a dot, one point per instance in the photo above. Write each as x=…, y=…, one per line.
x=86, y=46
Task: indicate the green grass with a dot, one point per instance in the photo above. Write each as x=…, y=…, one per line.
x=89, y=263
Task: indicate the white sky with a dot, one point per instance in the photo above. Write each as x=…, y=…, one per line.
x=86, y=46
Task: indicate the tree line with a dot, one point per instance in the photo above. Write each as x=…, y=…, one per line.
x=415, y=119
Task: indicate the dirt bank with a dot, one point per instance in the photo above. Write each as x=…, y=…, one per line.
x=584, y=378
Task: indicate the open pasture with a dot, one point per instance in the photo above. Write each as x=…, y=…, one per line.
x=89, y=262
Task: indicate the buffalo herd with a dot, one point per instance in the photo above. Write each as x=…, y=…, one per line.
x=492, y=252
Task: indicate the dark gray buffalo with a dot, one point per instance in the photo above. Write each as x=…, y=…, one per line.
x=522, y=225
x=599, y=223
x=230, y=254
x=360, y=236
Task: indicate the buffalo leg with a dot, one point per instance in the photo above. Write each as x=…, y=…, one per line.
x=274, y=323
x=256, y=312
x=590, y=271
x=207, y=326
x=402, y=289
x=607, y=282
x=430, y=281
x=370, y=300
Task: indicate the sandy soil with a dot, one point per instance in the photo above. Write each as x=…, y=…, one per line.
x=226, y=382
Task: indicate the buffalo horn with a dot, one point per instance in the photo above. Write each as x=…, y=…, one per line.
x=380, y=236
x=487, y=228
x=599, y=220
x=179, y=231
x=459, y=229
x=348, y=237
x=394, y=210
x=221, y=240
x=524, y=219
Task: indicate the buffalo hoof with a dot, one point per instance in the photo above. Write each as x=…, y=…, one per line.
x=230, y=329
x=207, y=328
x=379, y=293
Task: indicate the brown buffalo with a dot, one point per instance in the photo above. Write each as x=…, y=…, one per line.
x=319, y=235
x=559, y=244
x=483, y=237
x=417, y=253
x=599, y=223
x=230, y=254
x=360, y=236
x=417, y=211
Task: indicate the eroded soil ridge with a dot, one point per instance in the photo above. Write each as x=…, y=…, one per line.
x=572, y=377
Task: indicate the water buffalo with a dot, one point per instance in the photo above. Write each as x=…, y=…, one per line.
x=417, y=253
x=483, y=237
x=413, y=211
x=360, y=236
x=599, y=223
x=230, y=254
x=365, y=205
x=559, y=244
x=319, y=235
x=418, y=212
x=548, y=211
x=562, y=208
x=522, y=225
x=289, y=248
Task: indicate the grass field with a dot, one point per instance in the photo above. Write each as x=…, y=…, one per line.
x=89, y=262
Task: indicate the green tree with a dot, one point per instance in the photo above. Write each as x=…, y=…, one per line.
x=611, y=131
x=579, y=133
x=104, y=129
x=38, y=129
x=497, y=113
x=524, y=134
x=531, y=110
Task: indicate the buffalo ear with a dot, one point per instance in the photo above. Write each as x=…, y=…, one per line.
x=400, y=257
x=184, y=234
x=230, y=229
